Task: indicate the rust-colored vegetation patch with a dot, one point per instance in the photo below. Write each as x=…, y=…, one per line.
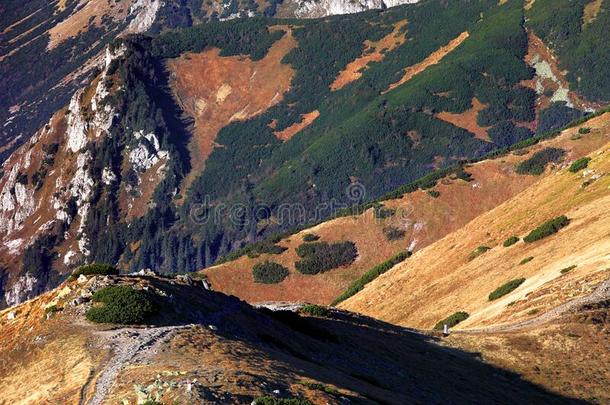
x=591, y=11
x=374, y=51
x=216, y=90
x=306, y=120
x=468, y=120
x=432, y=59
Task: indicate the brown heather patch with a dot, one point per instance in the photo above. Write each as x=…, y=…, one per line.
x=216, y=90
x=374, y=51
x=591, y=11
x=537, y=48
x=306, y=120
x=567, y=356
x=432, y=59
x=468, y=120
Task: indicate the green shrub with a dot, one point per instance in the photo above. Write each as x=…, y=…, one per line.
x=314, y=310
x=526, y=260
x=269, y=400
x=536, y=164
x=579, y=164
x=121, y=305
x=434, y=193
x=452, y=320
x=584, y=130
x=511, y=241
x=267, y=246
x=310, y=237
x=568, y=269
x=269, y=272
x=506, y=289
x=392, y=233
x=318, y=257
x=548, y=228
x=53, y=309
x=371, y=275
x=478, y=252
x=321, y=387
x=94, y=269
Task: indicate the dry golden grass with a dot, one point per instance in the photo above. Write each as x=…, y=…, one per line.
x=591, y=11
x=79, y=21
x=569, y=356
x=440, y=280
x=306, y=120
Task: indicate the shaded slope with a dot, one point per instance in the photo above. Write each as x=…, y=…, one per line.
x=567, y=355
x=233, y=354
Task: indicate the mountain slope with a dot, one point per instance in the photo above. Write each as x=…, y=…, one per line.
x=206, y=347
x=421, y=218
x=145, y=183
x=444, y=277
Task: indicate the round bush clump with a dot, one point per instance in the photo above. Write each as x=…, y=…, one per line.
x=452, y=320
x=506, y=289
x=121, y=305
x=310, y=237
x=511, y=241
x=314, y=310
x=269, y=273
x=318, y=257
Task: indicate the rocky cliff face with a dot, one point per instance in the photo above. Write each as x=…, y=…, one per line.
x=323, y=8
x=48, y=184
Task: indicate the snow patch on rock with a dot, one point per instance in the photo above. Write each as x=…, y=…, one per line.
x=16, y=201
x=108, y=176
x=77, y=126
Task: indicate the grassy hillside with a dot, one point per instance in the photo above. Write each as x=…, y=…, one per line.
x=384, y=139
x=444, y=277
x=419, y=218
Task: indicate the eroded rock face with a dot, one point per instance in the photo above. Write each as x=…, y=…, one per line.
x=63, y=189
x=146, y=12
x=17, y=201
x=323, y=8
x=21, y=290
